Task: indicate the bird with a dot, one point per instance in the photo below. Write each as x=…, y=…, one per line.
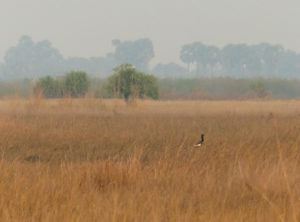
x=200, y=142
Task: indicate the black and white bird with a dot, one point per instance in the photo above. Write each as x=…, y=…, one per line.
x=200, y=142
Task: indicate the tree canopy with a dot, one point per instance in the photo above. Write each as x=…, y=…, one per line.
x=240, y=60
x=127, y=82
x=49, y=87
x=139, y=53
x=32, y=60
x=74, y=84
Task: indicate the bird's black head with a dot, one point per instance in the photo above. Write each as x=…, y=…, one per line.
x=202, y=137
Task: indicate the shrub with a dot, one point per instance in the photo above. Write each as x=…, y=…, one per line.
x=260, y=89
x=50, y=87
x=128, y=82
x=76, y=83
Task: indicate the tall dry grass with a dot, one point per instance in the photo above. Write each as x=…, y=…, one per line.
x=95, y=160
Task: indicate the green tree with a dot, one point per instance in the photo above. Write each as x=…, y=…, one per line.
x=76, y=83
x=50, y=87
x=128, y=82
x=148, y=86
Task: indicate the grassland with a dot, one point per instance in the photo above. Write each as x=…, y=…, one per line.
x=94, y=160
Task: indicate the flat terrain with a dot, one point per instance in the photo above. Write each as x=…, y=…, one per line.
x=103, y=160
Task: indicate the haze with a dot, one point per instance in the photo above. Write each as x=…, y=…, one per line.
x=86, y=28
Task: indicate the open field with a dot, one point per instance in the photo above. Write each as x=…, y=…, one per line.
x=95, y=160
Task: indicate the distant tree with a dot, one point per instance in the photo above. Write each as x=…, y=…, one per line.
x=50, y=87
x=32, y=60
x=1, y=70
x=289, y=65
x=241, y=60
x=169, y=70
x=127, y=82
x=95, y=66
x=76, y=83
x=203, y=56
x=234, y=59
x=187, y=55
x=211, y=59
x=271, y=56
x=78, y=63
x=108, y=64
x=139, y=53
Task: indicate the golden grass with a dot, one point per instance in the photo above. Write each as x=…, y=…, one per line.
x=96, y=160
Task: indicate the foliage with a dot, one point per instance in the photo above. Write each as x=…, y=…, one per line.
x=50, y=87
x=128, y=82
x=76, y=83
x=260, y=89
x=228, y=88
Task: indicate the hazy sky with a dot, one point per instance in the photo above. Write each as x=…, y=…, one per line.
x=86, y=27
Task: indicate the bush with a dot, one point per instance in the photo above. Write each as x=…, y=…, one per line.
x=76, y=84
x=50, y=87
x=260, y=89
x=127, y=82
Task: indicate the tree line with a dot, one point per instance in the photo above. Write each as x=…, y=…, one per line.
x=227, y=88
x=168, y=88
x=126, y=82
x=32, y=60
x=241, y=60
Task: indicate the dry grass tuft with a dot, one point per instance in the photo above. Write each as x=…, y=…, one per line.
x=104, y=160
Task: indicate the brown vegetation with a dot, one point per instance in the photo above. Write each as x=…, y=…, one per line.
x=95, y=160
